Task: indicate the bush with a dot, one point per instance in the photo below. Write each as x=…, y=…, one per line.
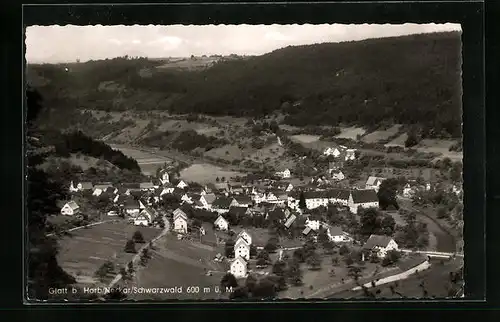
x=138, y=238
x=130, y=247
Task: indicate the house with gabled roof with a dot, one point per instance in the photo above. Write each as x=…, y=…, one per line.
x=208, y=199
x=180, y=221
x=70, y=208
x=238, y=267
x=221, y=223
x=99, y=188
x=145, y=217
x=306, y=231
x=236, y=189
x=366, y=198
x=332, y=151
x=337, y=235
x=239, y=211
x=243, y=200
x=350, y=154
x=242, y=249
x=245, y=235
x=290, y=220
x=164, y=176
x=285, y=173
x=380, y=245
x=81, y=186
x=222, y=204
x=374, y=183
x=167, y=188
x=132, y=207
x=146, y=186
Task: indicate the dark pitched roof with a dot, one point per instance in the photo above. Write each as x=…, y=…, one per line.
x=335, y=231
x=239, y=211
x=363, y=196
x=131, y=203
x=243, y=199
x=222, y=203
x=146, y=185
x=377, y=240
x=131, y=185
x=209, y=198
x=178, y=192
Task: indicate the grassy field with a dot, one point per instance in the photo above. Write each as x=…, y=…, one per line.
x=85, y=162
x=440, y=146
x=205, y=173
x=85, y=250
x=399, y=141
x=350, y=132
x=183, y=264
x=227, y=152
x=377, y=136
x=305, y=138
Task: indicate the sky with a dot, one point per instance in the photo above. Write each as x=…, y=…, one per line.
x=56, y=44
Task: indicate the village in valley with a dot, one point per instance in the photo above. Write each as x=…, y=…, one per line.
x=308, y=238
x=328, y=170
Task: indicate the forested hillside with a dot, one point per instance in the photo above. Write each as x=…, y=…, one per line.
x=410, y=80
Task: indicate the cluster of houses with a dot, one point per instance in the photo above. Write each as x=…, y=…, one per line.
x=341, y=152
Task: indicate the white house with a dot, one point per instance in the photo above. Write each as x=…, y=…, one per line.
x=337, y=175
x=239, y=267
x=366, y=198
x=408, y=191
x=181, y=184
x=132, y=207
x=167, y=188
x=100, y=188
x=313, y=224
x=336, y=235
x=332, y=151
x=242, y=249
x=144, y=218
x=221, y=223
x=70, y=208
x=180, y=221
x=284, y=174
x=81, y=186
x=380, y=245
x=374, y=183
x=246, y=236
x=164, y=176
x=350, y=154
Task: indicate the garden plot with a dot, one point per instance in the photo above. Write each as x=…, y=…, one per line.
x=398, y=142
x=350, y=132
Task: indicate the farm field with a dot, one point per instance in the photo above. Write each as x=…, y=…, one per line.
x=148, y=162
x=183, y=264
x=398, y=142
x=377, y=136
x=305, y=138
x=227, y=152
x=350, y=132
x=86, y=249
x=206, y=173
x=440, y=146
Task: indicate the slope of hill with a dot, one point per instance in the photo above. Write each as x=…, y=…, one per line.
x=406, y=80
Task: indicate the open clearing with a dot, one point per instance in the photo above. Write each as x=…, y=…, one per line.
x=227, y=152
x=350, y=132
x=180, y=263
x=440, y=146
x=398, y=142
x=147, y=161
x=305, y=138
x=83, y=161
x=206, y=173
x=86, y=249
x=377, y=136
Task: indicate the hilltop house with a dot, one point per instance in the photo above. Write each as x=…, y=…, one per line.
x=336, y=235
x=70, y=208
x=239, y=267
x=145, y=217
x=180, y=221
x=98, y=189
x=246, y=236
x=284, y=174
x=332, y=151
x=242, y=249
x=366, y=198
x=380, y=245
x=373, y=183
x=221, y=223
x=81, y=186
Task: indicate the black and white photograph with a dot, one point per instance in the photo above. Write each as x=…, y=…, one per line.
x=244, y=162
